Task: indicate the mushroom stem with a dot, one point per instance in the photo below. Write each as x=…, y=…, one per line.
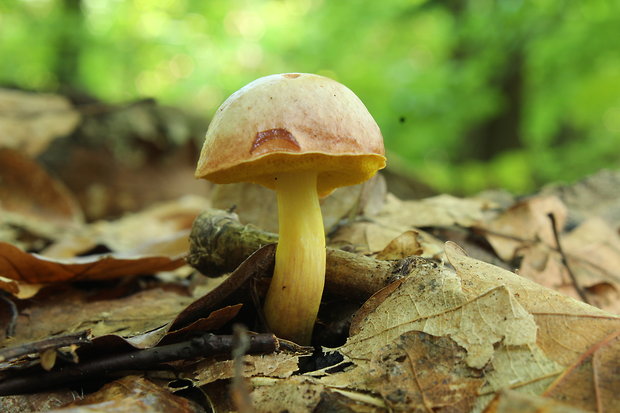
x=296, y=288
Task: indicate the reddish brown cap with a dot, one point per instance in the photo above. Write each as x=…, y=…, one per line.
x=288, y=122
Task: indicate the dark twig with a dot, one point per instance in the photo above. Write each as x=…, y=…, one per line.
x=13, y=314
x=43, y=345
x=148, y=359
x=556, y=235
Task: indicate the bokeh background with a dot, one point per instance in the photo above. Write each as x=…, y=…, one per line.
x=469, y=94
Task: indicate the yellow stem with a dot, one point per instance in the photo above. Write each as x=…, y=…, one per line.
x=296, y=288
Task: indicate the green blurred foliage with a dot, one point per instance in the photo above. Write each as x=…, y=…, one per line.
x=469, y=94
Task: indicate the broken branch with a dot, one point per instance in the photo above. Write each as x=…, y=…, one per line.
x=205, y=345
x=219, y=243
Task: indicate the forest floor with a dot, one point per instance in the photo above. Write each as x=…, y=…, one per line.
x=492, y=303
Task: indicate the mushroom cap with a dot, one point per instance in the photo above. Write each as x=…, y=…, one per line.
x=288, y=122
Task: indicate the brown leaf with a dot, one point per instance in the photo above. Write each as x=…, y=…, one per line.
x=405, y=245
x=161, y=229
x=435, y=304
x=281, y=365
x=522, y=334
x=305, y=394
x=438, y=211
x=69, y=310
x=566, y=327
x=387, y=242
x=213, y=321
x=593, y=196
x=37, y=402
x=510, y=401
x=32, y=199
x=256, y=265
x=524, y=223
x=421, y=373
x=30, y=121
x=592, y=382
x=131, y=394
x=18, y=265
x=592, y=250
x=365, y=237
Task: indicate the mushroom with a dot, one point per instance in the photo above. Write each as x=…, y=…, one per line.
x=302, y=135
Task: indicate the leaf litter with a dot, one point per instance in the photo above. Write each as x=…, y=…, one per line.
x=454, y=335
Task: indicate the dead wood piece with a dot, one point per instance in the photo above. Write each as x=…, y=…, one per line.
x=11, y=353
x=219, y=243
x=152, y=358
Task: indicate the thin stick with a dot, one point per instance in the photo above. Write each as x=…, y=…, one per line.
x=11, y=353
x=152, y=358
x=556, y=235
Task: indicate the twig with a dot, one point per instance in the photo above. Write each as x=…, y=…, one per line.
x=43, y=345
x=13, y=314
x=556, y=235
x=205, y=345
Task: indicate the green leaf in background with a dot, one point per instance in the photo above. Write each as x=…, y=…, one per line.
x=469, y=95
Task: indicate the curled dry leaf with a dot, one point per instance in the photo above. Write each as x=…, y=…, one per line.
x=386, y=242
x=28, y=268
x=30, y=121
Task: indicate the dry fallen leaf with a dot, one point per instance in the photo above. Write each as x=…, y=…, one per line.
x=71, y=311
x=30, y=121
x=514, y=332
x=37, y=402
x=593, y=381
x=32, y=200
x=525, y=223
x=306, y=394
x=593, y=196
x=131, y=394
x=27, y=268
x=161, y=229
x=278, y=365
x=387, y=243
x=591, y=251
x=510, y=401
x=421, y=373
x=438, y=211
